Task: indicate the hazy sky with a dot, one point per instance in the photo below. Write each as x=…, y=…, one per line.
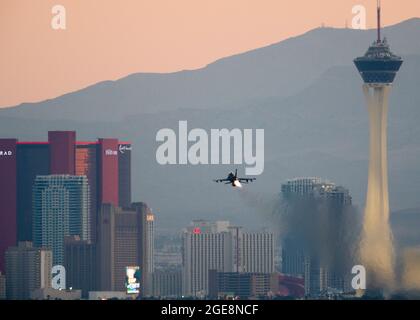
x=108, y=39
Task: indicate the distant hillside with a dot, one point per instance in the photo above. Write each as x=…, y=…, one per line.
x=306, y=94
x=279, y=70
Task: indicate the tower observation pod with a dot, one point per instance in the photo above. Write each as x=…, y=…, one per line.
x=378, y=68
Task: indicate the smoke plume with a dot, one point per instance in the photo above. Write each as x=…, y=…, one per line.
x=323, y=230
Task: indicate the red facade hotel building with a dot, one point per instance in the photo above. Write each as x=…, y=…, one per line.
x=62, y=152
x=8, y=235
x=105, y=162
x=108, y=171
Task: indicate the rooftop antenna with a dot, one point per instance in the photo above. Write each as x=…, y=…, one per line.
x=379, y=21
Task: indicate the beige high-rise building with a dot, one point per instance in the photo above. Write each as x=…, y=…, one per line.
x=125, y=238
x=218, y=246
x=27, y=269
x=148, y=251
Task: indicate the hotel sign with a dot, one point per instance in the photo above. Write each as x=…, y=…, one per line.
x=132, y=279
x=110, y=152
x=6, y=153
x=124, y=147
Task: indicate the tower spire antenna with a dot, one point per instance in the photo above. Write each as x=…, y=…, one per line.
x=379, y=20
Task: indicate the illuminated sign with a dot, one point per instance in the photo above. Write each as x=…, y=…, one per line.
x=110, y=152
x=132, y=279
x=5, y=153
x=124, y=147
x=150, y=217
x=197, y=231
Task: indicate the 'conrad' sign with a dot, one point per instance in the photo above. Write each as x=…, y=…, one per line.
x=5, y=153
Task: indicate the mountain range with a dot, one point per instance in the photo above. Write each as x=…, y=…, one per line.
x=304, y=92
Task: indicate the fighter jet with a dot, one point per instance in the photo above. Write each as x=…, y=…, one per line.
x=234, y=180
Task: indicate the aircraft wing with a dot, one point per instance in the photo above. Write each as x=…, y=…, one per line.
x=220, y=180
x=246, y=180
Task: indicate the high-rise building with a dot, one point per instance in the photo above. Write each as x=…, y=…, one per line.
x=300, y=186
x=62, y=152
x=125, y=238
x=33, y=159
x=293, y=257
x=256, y=252
x=8, y=198
x=108, y=171
x=148, y=246
x=206, y=246
x=296, y=260
x=224, y=248
x=315, y=276
x=80, y=264
x=2, y=286
x=86, y=165
x=27, y=269
x=60, y=209
x=105, y=162
x=124, y=175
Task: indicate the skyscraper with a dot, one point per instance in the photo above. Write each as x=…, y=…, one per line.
x=8, y=228
x=125, y=238
x=257, y=252
x=32, y=159
x=60, y=209
x=293, y=253
x=148, y=246
x=2, y=286
x=299, y=186
x=224, y=248
x=62, y=152
x=86, y=165
x=378, y=68
x=309, y=197
x=124, y=174
x=108, y=171
x=80, y=264
x=106, y=164
x=27, y=269
x=206, y=246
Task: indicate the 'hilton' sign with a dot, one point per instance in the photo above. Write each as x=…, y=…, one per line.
x=110, y=152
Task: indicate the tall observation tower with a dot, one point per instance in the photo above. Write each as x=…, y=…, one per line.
x=378, y=68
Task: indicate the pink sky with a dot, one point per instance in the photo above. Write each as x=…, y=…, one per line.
x=109, y=39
